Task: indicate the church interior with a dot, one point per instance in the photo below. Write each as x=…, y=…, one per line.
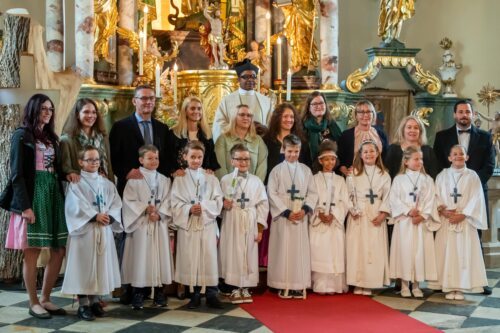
x=423, y=62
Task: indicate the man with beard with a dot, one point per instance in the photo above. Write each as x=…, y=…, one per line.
x=259, y=105
x=477, y=142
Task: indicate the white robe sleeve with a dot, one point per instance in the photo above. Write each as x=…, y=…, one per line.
x=181, y=203
x=164, y=209
x=341, y=207
x=211, y=203
x=133, y=207
x=399, y=206
x=475, y=210
x=386, y=188
x=114, y=207
x=277, y=206
x=311, y=199
x=78, y=210
x=427, y=205
x=262, y=205
x=221, y=120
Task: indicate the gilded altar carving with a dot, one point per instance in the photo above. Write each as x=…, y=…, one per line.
x=391, y=17
x=106, y=19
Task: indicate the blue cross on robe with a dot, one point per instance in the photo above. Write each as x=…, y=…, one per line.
x=414, y=194
x=455, y=195
x=372, y=196
x=292, y=192
x=99, y=202
x=242, y=200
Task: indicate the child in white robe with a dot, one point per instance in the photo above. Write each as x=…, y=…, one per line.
x=244, y=217
x=292, y=197
x=366, y=234
x=326, y=231
x=147, y=260
x=196, y=202
x=462, y=210
x=414, y=215
x=93, y=213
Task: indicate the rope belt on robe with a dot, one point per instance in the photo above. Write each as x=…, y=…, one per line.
x=99, y=247
x=153, y=234
x=196, y=227
x=245, y=230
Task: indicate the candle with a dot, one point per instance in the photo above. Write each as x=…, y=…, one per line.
x=174, y=86
x=289, y=85
x=157, y=80
x=268, y=34
x=258, y=80
x=278, y=56
x=141, y=53
x=145, y=27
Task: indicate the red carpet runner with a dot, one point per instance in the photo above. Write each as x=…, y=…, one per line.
x=340, y=313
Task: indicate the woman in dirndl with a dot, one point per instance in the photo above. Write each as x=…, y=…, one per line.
x=35, y=200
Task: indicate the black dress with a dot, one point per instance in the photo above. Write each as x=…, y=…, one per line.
x=394, y=156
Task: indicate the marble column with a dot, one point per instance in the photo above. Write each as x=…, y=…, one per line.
x=260, y=35
x=54, y=34
x=126, y=21
x=329, y=42
x=84, y=39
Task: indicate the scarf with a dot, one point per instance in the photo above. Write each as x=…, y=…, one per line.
x=316, y=133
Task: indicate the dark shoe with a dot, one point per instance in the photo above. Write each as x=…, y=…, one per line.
x=57, y=312
x=85, y=313
x=181, y=292
x=213, y=302
x=195, y=302
x=159, y=299
x=138, y=300
x=97, y=309
x=285, y=294
x=487, y=290
x=45, y=315
x=126, y=296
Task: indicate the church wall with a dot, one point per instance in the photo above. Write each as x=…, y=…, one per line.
x=473, y=26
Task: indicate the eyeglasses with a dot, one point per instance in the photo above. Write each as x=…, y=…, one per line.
x=146, y=98
x=46, y=109
x=363, y=112
x=92, y=160
x=248, y=77
x=242, y=159
x=317, y=104
x=245, y=115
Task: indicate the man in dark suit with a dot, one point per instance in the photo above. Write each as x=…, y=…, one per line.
x=477, y=142
x=129, y=134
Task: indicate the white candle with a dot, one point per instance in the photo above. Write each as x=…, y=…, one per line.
x=278, y=56
x=268, y=34
x=145, y=27
x=174, y=86
x=141, y=53
x=289, y=85
x=258, y=80
x=157, y=80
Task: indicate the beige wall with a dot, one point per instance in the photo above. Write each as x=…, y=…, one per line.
x=473, y=26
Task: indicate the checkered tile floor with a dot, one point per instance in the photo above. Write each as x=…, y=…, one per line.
x=477, y=313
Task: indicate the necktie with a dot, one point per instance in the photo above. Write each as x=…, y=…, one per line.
x=147, y=133
x=464, y=131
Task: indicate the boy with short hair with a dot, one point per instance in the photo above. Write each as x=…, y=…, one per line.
x=243, y=219
x=292, y=197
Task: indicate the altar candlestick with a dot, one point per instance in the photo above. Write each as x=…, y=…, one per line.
x=145, y=27
x=157, y=81
x=268, y=34
x=278, y=56
x=289, y=85
x=174, y=85
x=141, y=53
x=258, y=80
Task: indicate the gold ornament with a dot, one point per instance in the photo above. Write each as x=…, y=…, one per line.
x=488, y=96
x=392, y=15
x=106, y=18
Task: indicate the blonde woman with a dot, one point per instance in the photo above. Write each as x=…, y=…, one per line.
x=241, y=129
x=192, y=125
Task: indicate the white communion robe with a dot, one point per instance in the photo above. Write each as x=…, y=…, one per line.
x=289, y=264
x=92, y=262
x=238, y=250
x=458, y=250
x=196, y=254
x=147, y=259
x=260, y=105
x=367, y=253
x=413, y=257
x=328, y=241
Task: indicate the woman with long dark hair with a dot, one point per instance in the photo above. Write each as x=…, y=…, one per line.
x=34, y=197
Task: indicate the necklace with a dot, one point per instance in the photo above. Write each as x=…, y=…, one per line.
x=455, y=195
x=371, y=195
x=99, y=196
x=153, y=190
x=196, y=185
x=415, y=187
x=331, y=193
x=292, y=190
x=243, y=198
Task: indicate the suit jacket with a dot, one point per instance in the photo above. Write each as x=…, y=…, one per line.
x=125, y=139
x=394, y=156
x=345, y=145
x=481, y=151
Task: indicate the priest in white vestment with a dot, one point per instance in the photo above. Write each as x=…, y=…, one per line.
x=292, y=198
x=147, y=259
x=412, y=256
x=367, y=253
x=463, y=211
x=260, y=105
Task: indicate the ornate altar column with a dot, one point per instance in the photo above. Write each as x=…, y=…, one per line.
x=126, y=21
x=261, y=32
x=329, y=43
x=84, y=39
x=54, y=34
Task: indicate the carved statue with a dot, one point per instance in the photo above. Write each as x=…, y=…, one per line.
x=106, y=18
x=391, y=17
x=189, y=7
x=215, y=37
x=154, y=56
x=298, y=28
